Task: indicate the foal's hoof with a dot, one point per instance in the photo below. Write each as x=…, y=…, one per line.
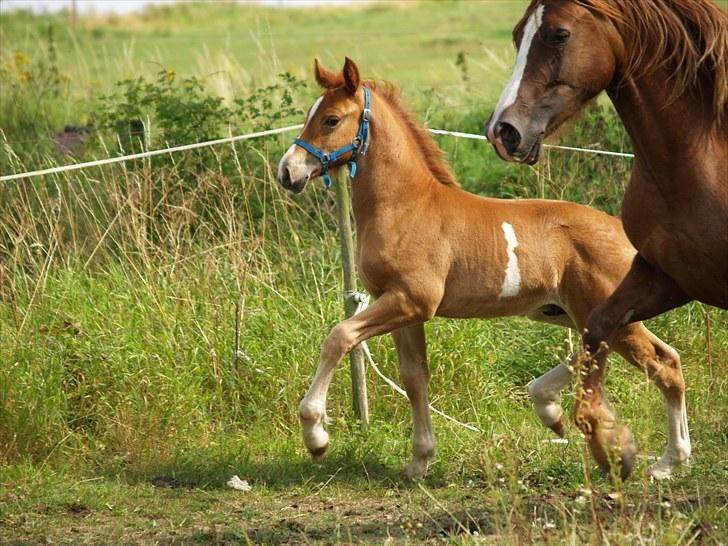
x=558, y=427
x=666, y=467
x=319, y=453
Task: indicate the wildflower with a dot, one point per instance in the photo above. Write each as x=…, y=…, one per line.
x=21, y=58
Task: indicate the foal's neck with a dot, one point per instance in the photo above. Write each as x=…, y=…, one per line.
x=394, y=175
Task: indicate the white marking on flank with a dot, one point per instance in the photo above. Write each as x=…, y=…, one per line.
x=510, y=93
x=512, y=280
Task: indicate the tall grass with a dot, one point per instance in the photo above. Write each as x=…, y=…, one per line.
x=164, y=317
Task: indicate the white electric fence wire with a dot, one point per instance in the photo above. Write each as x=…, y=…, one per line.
x=249, y=136
x=362, y=302
x=555, y=146
x=151, y=153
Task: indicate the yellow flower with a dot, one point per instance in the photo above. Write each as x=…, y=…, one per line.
x=21, y=58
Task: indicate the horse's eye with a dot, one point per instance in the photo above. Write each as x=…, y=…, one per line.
x=331, y=121
x=558, y=37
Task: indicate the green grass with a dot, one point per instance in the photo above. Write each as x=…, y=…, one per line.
x=124, y=408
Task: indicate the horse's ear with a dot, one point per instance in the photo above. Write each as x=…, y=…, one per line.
x=325, y=78
x=351, y=75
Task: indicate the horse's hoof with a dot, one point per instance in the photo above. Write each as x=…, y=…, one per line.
x=558, y=427
x=611, y=447
x=665, y=468
x=319, y=453
x=659, y=471
x=414, y=472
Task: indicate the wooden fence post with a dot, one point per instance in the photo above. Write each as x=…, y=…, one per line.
x=348, y=252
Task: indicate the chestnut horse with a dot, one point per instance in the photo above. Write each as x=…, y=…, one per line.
x=665, y=67
x=427, y=248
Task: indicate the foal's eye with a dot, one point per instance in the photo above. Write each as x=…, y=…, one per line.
x=558, y=37
x=331, y=121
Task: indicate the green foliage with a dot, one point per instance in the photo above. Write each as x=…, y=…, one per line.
x=160, y=321
x=181, y=111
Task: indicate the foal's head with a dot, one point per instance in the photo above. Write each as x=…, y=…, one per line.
x=332, y=123
x=566, y=55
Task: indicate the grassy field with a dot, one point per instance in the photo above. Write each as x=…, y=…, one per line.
x=160, y=321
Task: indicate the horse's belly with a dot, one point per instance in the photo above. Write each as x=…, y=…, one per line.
x=472, y=302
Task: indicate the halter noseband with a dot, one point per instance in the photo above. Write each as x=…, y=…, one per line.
x=359, y=144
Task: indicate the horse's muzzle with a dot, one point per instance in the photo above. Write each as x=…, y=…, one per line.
x=295, y=186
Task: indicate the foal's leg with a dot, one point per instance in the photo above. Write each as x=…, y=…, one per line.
x=389, y=312
x=662, y=364
x=545, y=392
x=412, y=354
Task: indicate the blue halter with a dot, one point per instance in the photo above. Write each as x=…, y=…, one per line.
x=359, y=144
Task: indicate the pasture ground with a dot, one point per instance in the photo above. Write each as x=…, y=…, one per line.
x=160, y=321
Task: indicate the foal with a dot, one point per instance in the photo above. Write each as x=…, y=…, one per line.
x=427, y=248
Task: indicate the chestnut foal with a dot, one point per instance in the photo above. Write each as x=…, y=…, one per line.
x=427, y=248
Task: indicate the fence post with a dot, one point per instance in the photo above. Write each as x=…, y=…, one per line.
x=346, y=238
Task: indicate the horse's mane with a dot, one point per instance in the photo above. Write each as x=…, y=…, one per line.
x=690, y=37
x=433, y=155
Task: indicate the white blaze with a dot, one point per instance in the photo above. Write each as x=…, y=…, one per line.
x=287, y=157
x=313, y=109
x=510, y=93
x=512, y=280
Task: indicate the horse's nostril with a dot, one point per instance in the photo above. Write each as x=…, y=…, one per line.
x=285, y=178
x=509, y=136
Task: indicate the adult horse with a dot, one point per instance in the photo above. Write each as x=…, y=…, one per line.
x=665, y=67
x=426, y=248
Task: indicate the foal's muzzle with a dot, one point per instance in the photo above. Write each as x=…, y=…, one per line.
x=295, y=186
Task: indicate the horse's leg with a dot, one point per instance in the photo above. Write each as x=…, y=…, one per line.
x=545, y=392
x=412, y=354
x=662, y=364
x=610, y=442
x=389, y=312
x=644, y=293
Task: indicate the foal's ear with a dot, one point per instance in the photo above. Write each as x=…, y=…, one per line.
x=351, y=75
x=325, y=78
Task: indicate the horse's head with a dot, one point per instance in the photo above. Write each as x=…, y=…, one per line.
x=333, y=123
x=566, y=56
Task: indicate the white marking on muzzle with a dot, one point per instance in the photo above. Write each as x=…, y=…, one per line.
x=512, y=280
x=510, y=93
x=283, y=163
x=285, y=159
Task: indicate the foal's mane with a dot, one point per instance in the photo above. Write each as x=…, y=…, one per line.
x=432, y=154
x=688, y=36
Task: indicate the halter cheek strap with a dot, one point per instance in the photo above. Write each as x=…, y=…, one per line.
x=358, y=146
